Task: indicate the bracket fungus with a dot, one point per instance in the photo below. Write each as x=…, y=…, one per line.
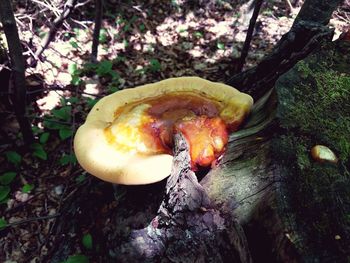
x=127, y=137
x=323, y=154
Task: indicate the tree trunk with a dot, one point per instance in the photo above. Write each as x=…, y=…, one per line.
x=18, y=69
x=306, y=33
x=290, y=207
x=293, y=208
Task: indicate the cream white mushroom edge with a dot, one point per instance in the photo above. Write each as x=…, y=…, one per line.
x=127, y=137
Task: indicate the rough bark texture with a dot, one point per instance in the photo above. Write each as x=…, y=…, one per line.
x=307, y=32
x=292, y=208
x=17, y=67
x=187, y=228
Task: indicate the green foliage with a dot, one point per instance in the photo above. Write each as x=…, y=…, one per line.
x=68, y=159
x=60, y=120
x=27, y=188
x=7, y=177
x=65, y=133
x=321, y=106
x=198, y=34
x=155, y=65
x=103, y=37
x=77, y=259
x=75, y=72
x=44, y=137
x=87, y=241
x=220, y=45
x=3, y=223
x=4, y=192
x=13, y=157
x=80, y=178
x=63, y=113
x=74, y=44
x=104, y=68
x=314, y=109
x=91, y=102
x=142, y=27
x=39, y=151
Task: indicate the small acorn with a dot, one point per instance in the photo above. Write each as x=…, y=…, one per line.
x=323, y=154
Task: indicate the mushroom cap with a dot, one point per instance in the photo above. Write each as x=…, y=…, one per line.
x=97, y=155
x=322, y=154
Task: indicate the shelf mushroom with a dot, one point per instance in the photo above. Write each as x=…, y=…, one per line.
x=127, y=137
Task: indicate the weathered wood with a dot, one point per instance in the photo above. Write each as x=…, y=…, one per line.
x=187, y=228
x=18, y=69
x=305, y=35
x=292, y=208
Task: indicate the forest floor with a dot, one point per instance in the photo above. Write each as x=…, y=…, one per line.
x=139, y=43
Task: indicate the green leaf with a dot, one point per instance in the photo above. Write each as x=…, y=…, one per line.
x=3, y=223
x=7, y=178
x=104, y=68
x=74, y=44
x=126, y=43
x=52, y=124
x=76, y=80
x=73, y=68
x=44, y=137
x=13, y=157
x=68, y=158
x=73, y=100
x=103, y=35
x=198, y=34
x=27, y=188
x=80, y=178
x=36, y=129
x=77, y=259
x=63, y=113
x=112, y=89
x=91, y=102
x=38, y=151
x=154, y=65
x=4, y=191
x=142, y=27
x=87, y=241
x=65, y=133
x=220, y=45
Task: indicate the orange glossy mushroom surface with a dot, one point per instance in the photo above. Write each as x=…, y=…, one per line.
x=133, y=129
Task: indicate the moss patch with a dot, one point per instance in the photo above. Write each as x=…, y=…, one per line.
x=314, y=109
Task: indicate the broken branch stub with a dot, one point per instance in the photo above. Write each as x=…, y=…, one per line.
x=187, y=228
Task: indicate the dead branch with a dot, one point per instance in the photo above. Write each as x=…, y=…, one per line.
x=186, y=222
x=58, y=22
x=18, y=69
x=96, y=33
x=305, y=35
x=249, y=35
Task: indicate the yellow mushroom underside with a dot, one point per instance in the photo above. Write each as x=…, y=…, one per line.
x=100, y=157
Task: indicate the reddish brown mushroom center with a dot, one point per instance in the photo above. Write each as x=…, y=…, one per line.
x=197, y=118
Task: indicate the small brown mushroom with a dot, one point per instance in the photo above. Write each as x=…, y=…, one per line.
x=322, y=154
x=127, y=136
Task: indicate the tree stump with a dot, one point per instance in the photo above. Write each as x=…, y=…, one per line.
x=266, y=200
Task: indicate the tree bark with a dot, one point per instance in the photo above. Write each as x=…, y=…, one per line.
x=249, y=35
x=305, y=35
x=96, y=33
x=18, y=69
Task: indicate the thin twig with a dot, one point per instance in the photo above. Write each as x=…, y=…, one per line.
x=31, y=219
x=249, y=35
x=96, y=33
x=68, y=8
